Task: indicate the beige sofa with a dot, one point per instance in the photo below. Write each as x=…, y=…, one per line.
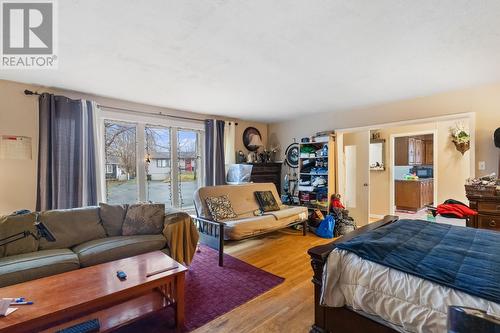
x=85, y=238
x=249, y=221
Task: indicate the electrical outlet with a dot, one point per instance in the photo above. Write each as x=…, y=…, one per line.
x=482, y=165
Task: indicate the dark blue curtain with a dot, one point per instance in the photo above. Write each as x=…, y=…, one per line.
x=215, y=173
x=66, y=154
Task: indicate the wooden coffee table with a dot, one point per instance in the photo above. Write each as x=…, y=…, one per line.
x=69, y=298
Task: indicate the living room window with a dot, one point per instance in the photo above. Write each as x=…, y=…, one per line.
x=148, y=160
x=158, y=175
x=120, y=150
x=188, y=164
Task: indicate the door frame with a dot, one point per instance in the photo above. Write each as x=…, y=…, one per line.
x=392, y=139
x=341, y=170
x=471, y=116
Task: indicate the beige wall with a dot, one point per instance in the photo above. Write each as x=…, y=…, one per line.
x=484, y=101
x=19, y=116
x=452, y=167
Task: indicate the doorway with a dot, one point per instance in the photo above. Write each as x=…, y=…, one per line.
x=371, y=195
x=413, y=173
x=354, y=176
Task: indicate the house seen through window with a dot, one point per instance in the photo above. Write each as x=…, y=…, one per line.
x=162, y=163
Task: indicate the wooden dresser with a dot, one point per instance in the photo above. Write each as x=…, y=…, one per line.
x=488, y=208
x=267, y=173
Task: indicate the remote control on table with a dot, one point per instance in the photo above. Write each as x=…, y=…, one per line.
x=121, y=275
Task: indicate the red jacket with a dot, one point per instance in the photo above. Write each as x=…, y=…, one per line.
x=457, y=210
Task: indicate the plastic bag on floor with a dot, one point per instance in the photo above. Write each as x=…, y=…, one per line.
x=326, y=227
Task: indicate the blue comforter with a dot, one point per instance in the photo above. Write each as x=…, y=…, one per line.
x=465, y=259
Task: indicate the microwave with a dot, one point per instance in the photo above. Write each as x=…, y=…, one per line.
x=423, y=172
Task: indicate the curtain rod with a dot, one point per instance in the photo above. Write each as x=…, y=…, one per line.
x=150, y=113
x=29, y=92
x=154, y=113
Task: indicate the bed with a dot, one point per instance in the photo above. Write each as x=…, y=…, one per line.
x=376, y=280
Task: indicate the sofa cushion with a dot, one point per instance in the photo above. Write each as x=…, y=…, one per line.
x=30, y=266
x=112, y=217
x=220, y=208
x=72, y=227
x=249, y=226
x=144, y=219
x=167, y=251
x=107, y=249
x=285, y=211
x=13, y=224
x=241, y=196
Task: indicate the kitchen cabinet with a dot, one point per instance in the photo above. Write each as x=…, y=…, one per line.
x=413, y=195
x=419, y=152
x=411, y=151
x=402, y=151
x=429, y=152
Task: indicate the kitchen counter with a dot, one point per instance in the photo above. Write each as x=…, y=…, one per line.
x=416, y=180
x=413, y=195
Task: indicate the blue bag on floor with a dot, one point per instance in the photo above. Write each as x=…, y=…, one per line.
x=326, y=227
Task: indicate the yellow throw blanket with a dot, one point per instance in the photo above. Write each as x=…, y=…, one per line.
x=181, y=234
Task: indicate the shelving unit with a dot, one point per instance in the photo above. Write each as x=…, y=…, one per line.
x=317, y=197
x=314, y=174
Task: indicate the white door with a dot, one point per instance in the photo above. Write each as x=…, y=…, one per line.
x=357, y=175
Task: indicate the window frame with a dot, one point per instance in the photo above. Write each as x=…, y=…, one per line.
x=103, y=156
x=160, y=163
x=200, y=137
x=109, y=167
x=141, y=122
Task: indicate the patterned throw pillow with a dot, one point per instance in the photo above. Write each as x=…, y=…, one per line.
x=266, y=201
x=144, y=219
x=220, y=208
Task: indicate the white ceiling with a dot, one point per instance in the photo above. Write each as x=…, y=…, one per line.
x=270, y=60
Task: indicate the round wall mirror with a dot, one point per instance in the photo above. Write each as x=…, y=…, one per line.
x=252, y=139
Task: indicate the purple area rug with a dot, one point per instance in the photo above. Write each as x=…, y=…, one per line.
x=211, y=291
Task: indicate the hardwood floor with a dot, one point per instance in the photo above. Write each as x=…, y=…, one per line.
x=286, y=308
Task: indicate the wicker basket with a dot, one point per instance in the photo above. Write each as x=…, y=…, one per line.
x=462, y=147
